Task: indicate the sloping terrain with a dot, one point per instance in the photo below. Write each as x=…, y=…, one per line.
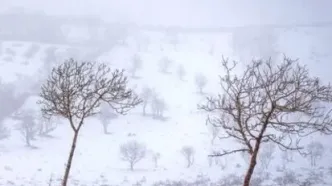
x=97, y=159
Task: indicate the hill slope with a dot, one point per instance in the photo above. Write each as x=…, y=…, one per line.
x=97, y=159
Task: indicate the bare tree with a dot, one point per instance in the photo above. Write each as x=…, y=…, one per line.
x=73, y=52
x=46, y=125
x=146, y=96
x=49, y=59
x=31, y=51
x=181, y=72
x=214, y=132
x=155, y=158
x=172, y=38
x=219, y=161
x=286, y=159
x=288, y=156
x=313, y=177
x=28, y=126
x=164, y=65
x=132, y=152
x=260, y=42
x=230, y=180
x=11, y=99
x=269, y=103
x=266, y=155
x=4, y=131
x=74, y=90
x=201, y=82
x=288, y=178
x=212, y=50
x=245, y=156
x=8, y=59
x=315, y=151
x=188, y=153
x=136, y=65
x=106, y=114
x=10, y=52
x=1, y=48
x=158, y=107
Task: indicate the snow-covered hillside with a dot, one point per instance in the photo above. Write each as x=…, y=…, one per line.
x=97, y=159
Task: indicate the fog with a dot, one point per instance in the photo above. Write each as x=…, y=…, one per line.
x=165, y=93
x=186, y=12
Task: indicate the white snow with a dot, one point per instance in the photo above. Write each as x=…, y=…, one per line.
x=97, y=158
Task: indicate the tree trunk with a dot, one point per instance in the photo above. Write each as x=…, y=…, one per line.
x=210, y=161
x=41, y=129
x=251, y=169
x=189, y=162
x=313, y=161
x=70, y=159
x=131, y=166
x=144, y=108
x=155, y=164
x=27, y=140
x=105, y=126
x=252, y=164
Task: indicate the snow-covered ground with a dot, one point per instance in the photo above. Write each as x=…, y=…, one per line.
x=97, y=159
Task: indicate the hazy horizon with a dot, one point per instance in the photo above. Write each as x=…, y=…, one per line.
x=86, y=102
x=185, y=12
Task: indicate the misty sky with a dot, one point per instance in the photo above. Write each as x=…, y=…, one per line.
x=187, y=12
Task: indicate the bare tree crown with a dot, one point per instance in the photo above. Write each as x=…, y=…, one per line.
x=75, y=90
x=270, y=102
x=132, y=152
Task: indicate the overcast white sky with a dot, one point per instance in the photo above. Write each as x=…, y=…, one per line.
x=187, y=12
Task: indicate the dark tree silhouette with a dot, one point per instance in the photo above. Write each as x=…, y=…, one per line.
x=75, y=90
x=268, y=102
